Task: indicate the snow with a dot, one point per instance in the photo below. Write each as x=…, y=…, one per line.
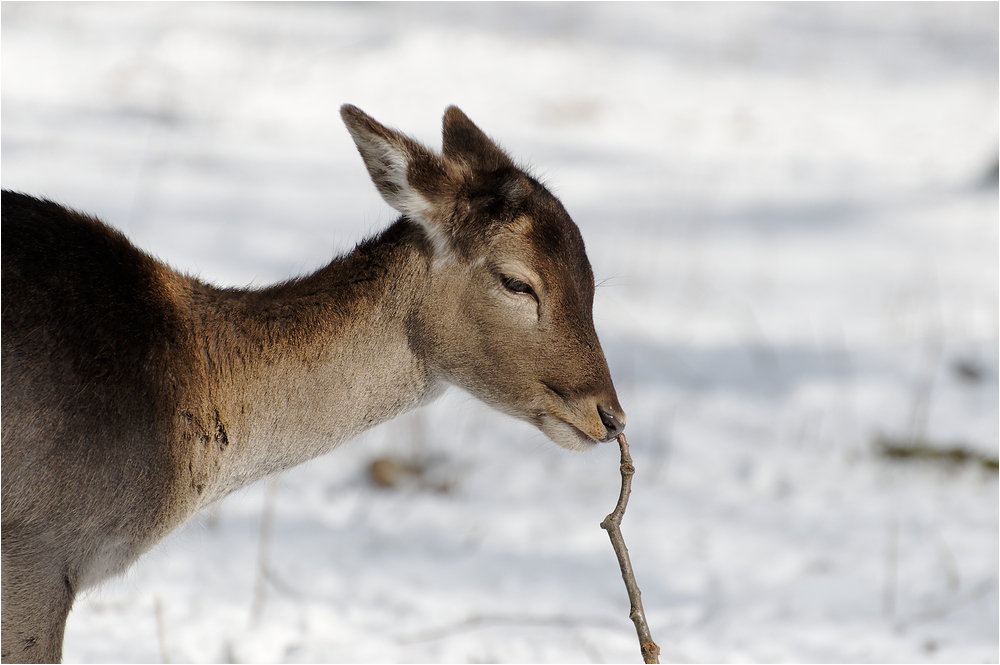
x=785, y=205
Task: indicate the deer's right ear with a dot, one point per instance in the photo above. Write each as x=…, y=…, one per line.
x=410, y=178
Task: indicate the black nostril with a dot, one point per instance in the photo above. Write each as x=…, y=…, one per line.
x=613, y=425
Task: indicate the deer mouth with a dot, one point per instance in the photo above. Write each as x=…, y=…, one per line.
x=564, y=433
x=557, y=423
x=584, y=438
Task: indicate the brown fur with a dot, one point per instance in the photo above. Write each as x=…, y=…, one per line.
x=134, y=395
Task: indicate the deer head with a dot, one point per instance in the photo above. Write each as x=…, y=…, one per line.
x=508, y=315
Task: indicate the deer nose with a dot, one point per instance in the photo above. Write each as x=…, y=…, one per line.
x=611, y=423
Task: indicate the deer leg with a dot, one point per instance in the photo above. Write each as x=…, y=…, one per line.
x=37, y=597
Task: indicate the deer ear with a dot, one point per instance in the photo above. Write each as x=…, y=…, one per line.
x=464, y=142
x=410, y=178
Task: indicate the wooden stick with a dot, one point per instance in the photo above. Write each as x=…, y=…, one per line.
x=612, y=524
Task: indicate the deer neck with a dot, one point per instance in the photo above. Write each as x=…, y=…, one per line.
x=296, y=369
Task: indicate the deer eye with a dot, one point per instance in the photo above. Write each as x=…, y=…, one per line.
x=517, y=286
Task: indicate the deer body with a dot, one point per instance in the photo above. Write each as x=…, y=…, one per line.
x=134, y=395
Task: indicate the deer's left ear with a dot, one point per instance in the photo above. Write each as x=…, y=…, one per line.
x=465, y=143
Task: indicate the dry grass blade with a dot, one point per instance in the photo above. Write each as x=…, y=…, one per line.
x=612, y=524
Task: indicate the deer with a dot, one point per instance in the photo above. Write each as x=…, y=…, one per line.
x=134, y=396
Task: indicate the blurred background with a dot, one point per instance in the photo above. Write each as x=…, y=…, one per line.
x=792, y=213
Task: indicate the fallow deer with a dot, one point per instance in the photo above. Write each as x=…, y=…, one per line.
x=134, y=395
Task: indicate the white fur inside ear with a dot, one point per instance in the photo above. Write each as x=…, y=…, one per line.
x=392, y=165
x=388, y=164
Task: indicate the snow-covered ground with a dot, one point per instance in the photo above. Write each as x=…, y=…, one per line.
x=786, y=207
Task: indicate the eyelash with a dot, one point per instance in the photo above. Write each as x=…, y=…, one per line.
x=518, y=287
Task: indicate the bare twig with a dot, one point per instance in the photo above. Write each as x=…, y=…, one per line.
x=161, y=630
x=263, y=545
x=612, y=524
x=478, y=621
x=974, y=594
x=891, y=571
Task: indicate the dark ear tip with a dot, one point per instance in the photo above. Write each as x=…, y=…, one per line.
x=453, y=113
x=349, y=112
